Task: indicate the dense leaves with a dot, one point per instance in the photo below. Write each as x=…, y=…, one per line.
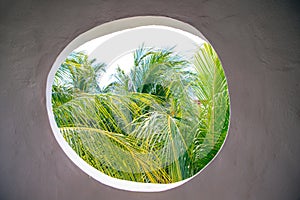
x=160, y=123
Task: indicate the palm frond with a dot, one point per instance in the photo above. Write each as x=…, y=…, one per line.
x=211, y=89
x=161, y=123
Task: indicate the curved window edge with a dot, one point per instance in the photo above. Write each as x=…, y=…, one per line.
x=101, y=30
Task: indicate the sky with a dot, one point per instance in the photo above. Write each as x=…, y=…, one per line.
x=125, y=61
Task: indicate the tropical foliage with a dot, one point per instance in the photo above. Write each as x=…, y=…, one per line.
x=160, y=123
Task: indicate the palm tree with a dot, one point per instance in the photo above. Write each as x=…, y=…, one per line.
x=76, y=75
x=161, y=123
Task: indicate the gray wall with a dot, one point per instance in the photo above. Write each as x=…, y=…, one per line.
x=258, y=43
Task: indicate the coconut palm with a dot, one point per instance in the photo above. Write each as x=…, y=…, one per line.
x=76, y=75
x=161, y=123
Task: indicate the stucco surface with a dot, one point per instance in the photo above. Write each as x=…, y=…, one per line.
x=258, y=43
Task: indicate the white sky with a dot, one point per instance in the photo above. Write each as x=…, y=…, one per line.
x=125, y=61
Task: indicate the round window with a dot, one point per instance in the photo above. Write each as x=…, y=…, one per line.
x=142, y=108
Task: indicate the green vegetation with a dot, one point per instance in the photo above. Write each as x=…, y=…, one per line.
x=160, y=123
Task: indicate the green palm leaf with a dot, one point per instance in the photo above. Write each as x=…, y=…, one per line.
x=211, y=89
x=161, y=123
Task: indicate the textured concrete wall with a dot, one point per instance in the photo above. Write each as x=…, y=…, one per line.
x=258, y=43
